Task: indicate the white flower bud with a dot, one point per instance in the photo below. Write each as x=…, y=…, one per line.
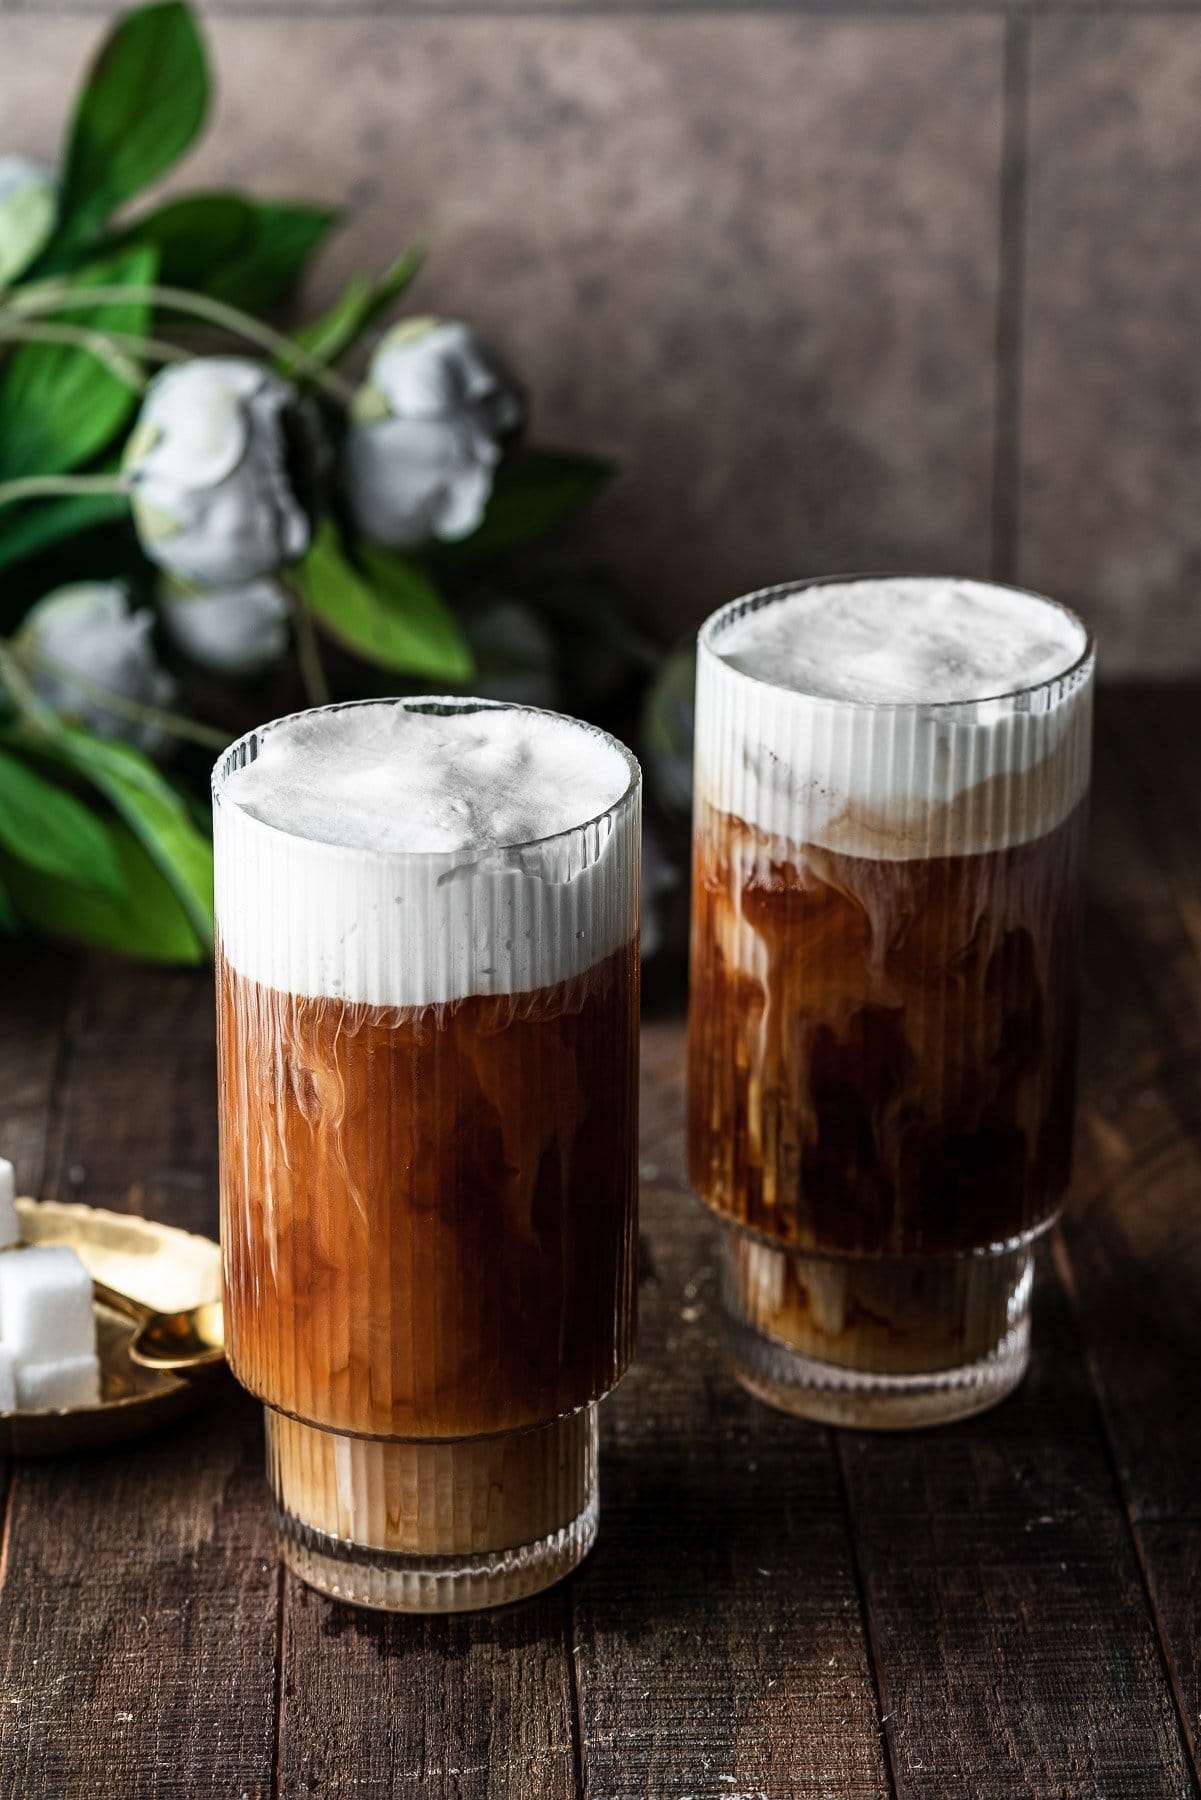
x=231, y=631
x=221, y=466
x=427, y=432
x=28, y=207
x=87, y=630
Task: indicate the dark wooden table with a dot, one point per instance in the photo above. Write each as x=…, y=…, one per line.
x=1009, y=1607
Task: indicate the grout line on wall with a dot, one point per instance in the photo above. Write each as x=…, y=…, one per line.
x=1011, y=299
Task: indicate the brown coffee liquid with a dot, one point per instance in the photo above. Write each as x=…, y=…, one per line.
x=428, y=1214
x=882, y=1054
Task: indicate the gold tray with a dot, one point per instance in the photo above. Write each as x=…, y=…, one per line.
x=168, y=1269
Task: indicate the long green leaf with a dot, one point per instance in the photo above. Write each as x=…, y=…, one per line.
x=26, y=530
x=155, y=813
x=60, y=406
x=279, y=242
x=50, y=829
x=192, y=235
x=144, y=101
x=529, y=499
x=391, y=614
x=148, y=923
x=361, y=303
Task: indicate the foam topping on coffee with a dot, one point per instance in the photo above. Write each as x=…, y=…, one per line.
x=903, y=640
x=893, y=718
x=390, y=778
x=399, y=853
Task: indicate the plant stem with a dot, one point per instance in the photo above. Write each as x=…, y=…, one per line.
x=308, y=653
x=27, y=701
x=117, y=348
x=176, y=724
x=31, y=301
x=40, y=487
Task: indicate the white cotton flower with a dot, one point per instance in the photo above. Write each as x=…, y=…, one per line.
x=427, y=431
x=221, y=466
x=87, y=631
x=235, y=631
x=28, y=207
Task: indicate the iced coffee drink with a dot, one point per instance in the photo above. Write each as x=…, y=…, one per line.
x=427, y=917
x=891, y=788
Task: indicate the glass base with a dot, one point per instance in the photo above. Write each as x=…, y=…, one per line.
x=432, y=1527
x=882, y=1343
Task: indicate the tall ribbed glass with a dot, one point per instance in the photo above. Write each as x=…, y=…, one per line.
x=428, y=1107
x=883, y=1017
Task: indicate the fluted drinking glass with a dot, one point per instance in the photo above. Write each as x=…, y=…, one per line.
x=883, y=1022
x=428, y=1110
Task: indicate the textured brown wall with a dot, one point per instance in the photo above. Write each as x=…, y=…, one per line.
x=913, y=286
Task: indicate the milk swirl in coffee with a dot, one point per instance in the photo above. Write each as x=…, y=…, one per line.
x=891, y=777
x=427, y=919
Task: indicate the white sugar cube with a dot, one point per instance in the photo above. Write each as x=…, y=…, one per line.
x=8, y=1383
x=10, y=1231
x=67, y=1381
x=46, y=1305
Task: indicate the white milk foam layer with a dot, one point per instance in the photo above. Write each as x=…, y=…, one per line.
x=411, y=852
x=895, y=717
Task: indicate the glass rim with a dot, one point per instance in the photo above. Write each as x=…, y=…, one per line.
x=1071, y=674
x=225, y=766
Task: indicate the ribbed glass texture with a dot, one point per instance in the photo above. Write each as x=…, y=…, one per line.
x=428, y=1106
x=883, y=1016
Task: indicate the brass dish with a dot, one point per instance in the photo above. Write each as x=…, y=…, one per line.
x=165, y=1268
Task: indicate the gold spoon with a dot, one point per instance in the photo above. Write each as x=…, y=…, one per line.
x=184, y=1342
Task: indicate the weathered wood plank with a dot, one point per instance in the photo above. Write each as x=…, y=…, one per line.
x=1131, y=1240
x=459, y=1707
x=1133, y=1229
x=138, y=1613
x=138, y=1618
x=719, y=1639
x=1173, y=1561
x=1016, y=1650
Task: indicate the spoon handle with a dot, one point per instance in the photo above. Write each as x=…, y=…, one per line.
x=137, y=1310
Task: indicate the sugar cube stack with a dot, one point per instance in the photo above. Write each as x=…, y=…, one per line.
x=71, y=1381
x=10, y=1231
x=47, y=1330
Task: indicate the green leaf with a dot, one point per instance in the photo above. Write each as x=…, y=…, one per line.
x=361, y=303
x=273, y=255
x=391, y=614
x=49, y=829
x=60, y=406
x=144, y=101
x=26, y=530
x=248, y=253
x=155, y=813
x=191, y=235
x=149, y=922
x=530, y=498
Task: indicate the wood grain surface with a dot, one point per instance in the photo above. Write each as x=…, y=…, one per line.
x=1008, y=1607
